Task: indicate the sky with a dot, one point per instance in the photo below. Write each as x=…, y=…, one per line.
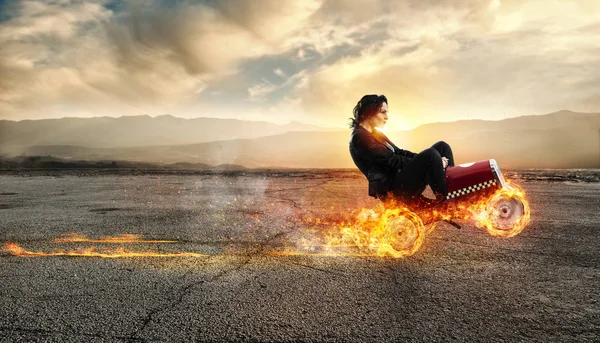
x=307, y=61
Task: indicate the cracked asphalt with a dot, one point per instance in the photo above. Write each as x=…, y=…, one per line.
x=463, y=285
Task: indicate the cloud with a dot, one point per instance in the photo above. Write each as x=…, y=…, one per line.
x=38, y=20
x=303, y=60
x=280, y=73
x=461, y=59
x=259, y=91
x=193, y=36
x=40, y=45
x=271, y=20
x=82, y=54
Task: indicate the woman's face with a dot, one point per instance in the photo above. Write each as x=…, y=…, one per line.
x=378, y=120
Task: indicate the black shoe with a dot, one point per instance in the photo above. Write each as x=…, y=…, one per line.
x=439, y=198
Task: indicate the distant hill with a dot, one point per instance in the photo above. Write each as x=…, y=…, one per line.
x=555, y=120
x=50, y=162
x=561, y=139
x=130, y=131
x=557, y=140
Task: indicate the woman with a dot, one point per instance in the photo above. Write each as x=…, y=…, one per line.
x=389, y=169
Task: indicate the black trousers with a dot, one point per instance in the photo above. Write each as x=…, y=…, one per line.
x=424, y=169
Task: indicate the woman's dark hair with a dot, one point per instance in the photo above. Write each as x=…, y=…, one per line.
x=367, y=106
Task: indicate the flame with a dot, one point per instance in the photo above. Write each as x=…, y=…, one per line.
x=484, y=214
x=389, y=229
x=384, y=231
x=16, y=250
x=481, y=210
x=123, y=238
x=393, y=230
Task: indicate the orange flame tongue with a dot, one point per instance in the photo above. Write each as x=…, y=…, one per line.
x=124, y=238
x=389, y=230
x=487, y=214
x=395, y=232
x=16, y=250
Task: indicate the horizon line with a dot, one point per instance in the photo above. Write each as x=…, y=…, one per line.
x=296, y=121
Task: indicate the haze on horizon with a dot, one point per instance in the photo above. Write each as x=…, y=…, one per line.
x=308, y=61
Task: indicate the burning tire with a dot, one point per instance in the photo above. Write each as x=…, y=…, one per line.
x=507, y=213
x=404, y=232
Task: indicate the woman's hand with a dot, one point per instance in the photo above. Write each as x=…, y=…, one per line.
x=444, y=162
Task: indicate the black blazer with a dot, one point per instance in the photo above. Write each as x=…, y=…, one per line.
x=377, y=158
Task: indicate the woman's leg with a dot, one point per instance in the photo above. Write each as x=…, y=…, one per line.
x=445, y=150
x=425, y=168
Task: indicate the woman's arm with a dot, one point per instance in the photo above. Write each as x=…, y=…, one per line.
x=405, y=153
x=397, y=151
x=378, y=153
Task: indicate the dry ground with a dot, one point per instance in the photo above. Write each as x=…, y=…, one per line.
x=463, y=285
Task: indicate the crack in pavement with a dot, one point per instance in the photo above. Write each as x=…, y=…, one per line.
x=296, y=205
x=179, y=300
x=185, y=290
x=293, y=202
x=331, y=192
x=319, y=185
x=296, y=188
x=332, y=271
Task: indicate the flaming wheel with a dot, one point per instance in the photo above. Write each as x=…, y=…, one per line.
x=404, y=232
x=508, y=213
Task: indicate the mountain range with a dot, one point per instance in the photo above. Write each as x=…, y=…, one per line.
x=135, y=131
x=561, y=139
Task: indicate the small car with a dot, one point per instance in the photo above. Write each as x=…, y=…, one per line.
x=475, y=191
